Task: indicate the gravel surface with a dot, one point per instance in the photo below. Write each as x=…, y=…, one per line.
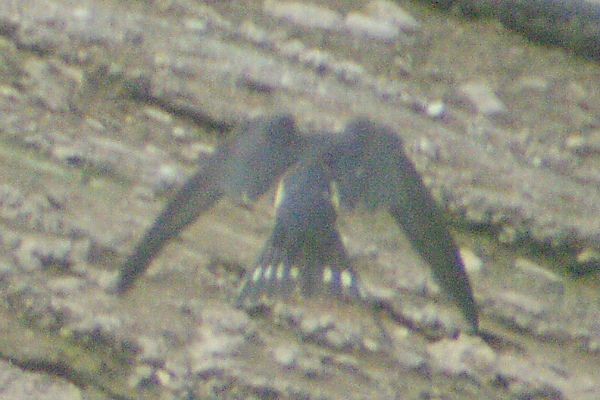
x=106, y=107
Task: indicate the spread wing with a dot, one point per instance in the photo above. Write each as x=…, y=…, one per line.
x=369, y=164
x=243, y=169
x=305, y=252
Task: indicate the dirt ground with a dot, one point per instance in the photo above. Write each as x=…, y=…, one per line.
x=106, y=107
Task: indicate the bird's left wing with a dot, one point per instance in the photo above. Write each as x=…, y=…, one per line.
x=370, y=166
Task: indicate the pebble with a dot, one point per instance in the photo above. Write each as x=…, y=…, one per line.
x=66, y=286
x=473, y=264
x=520, y=309
x=533, y=277
x=286, y=356
x=167, y=177
x=481, y=97
x=196, y=25
x=307, y=15
x=427, y=148
x=320, y=60
x=158, y=115
x=362, y=25
x=436, y=109
x=292, y=48
x=467, y=355
x=528, y=380
x=349, y=72
x=533, y=83
x=391, y=13
x=152, y=350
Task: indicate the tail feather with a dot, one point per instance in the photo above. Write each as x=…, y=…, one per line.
x=280, y=277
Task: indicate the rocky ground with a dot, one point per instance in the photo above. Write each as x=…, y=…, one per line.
x=107, y=106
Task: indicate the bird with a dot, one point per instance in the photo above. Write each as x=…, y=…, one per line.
x=364, y=165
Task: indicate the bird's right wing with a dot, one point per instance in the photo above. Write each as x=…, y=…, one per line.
x=243, y=169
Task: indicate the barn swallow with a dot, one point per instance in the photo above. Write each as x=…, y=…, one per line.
x=367, y=164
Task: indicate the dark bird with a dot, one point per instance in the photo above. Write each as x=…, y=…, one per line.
x=368, y=165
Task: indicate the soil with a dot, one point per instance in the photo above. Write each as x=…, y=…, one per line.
x=106, y=107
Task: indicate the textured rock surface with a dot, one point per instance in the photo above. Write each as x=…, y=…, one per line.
x=105, y=107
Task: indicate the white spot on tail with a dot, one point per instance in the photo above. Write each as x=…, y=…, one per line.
x=257, y=274
x=294, y=273
x=280, y=271
x=268, y=272
x=347, y=279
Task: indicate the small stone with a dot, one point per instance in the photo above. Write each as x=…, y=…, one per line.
x=254, y=33
x=466, y=355
x=529, y=380
x=163, y=377
x=286, y=356
x=481, y=96
x=179, y=132
x=152, y=350
x=195, y=25
x=9, y=92
x=317, y=59
x=66, y=286
x=533, y=277
x=535, y=83
x=363, y=25
x=522, y=307
x=390, y=12
x=428, y=148
x=95, y=124
x=436, y=109
x=303, y=14
x=575, y=142
x=167, y=177
x=588, y=256
x=349, y=72
x=473, y=264
x=140, y=375
x=292, y=48
x=158, y=115
x=313, y=325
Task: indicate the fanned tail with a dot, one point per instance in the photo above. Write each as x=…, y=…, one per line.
x=279, y=276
